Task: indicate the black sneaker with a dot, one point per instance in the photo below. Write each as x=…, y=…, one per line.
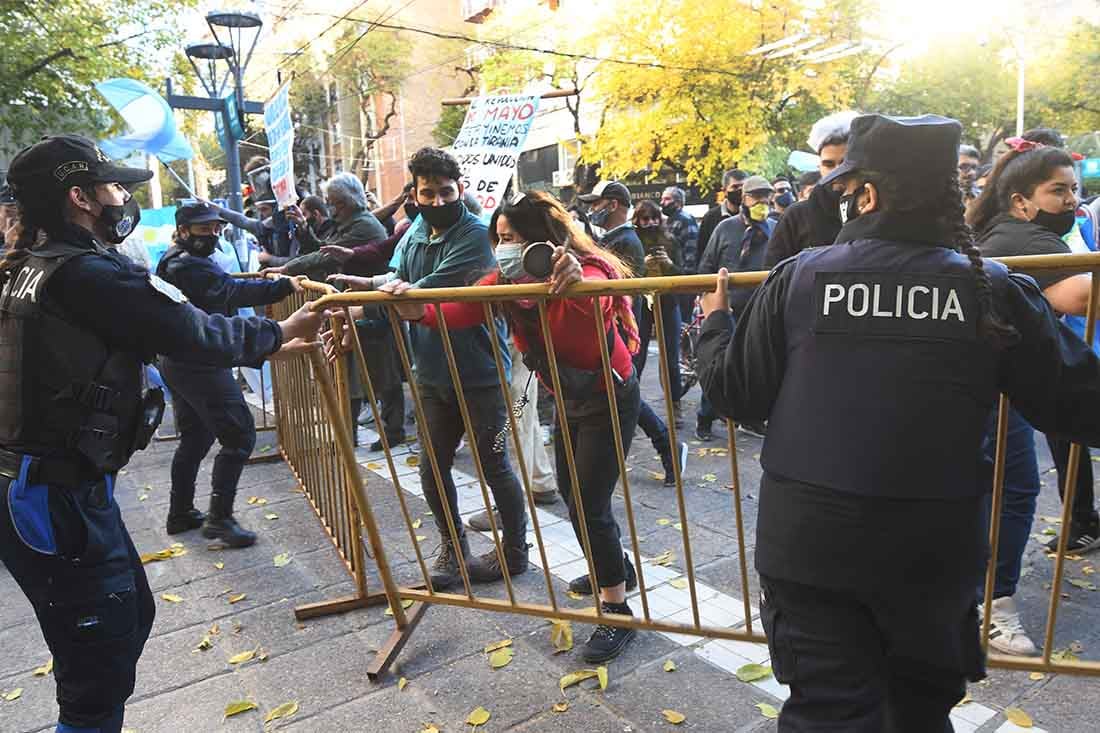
x=755, y=429
x=1080, y=539
x=376, y=446
x=607, y=642
x=486, y=568
x=702, y=432
x=583, y=584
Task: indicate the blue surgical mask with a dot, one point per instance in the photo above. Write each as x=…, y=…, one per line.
x=598, y=219
x=510, y=259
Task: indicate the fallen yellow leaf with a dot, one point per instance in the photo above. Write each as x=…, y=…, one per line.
x=479, y=716
x=768, y=711
x=142, y=497
x=753, y=672
x=429, y=728
x=219, y=565
x=171, y=597
x=402, y=684
x=45, y=669
x=417, y=522
x=1036, y=676
x=664, y=522
x=601, y=674
x=678, y=527
x=561, y=635
x=420, y=538
x=574, y=677
x=680, y=583
x=404, y=604
x=239, y=706
x=670, y=666
x=204, y=644
x=414, y=461
x=237, y=598
x=673, y=717
x=664, y=559
x=242, y=657
x=710, y=477
x=271, y=515
x=560, y=707
x=14, y=694
x=501, y=657
x=374, y=466
x=1018, y=717
x=283, y=711
x=574, y=596
x=282, y=560
x=498, y=645
x=253, y=499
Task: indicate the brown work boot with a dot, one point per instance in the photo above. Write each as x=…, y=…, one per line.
x=486, y=568
x=445, y=572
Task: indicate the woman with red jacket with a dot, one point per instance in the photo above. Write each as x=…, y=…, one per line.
x=538, y=217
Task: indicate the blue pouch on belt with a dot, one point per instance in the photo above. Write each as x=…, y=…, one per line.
x=30, y=512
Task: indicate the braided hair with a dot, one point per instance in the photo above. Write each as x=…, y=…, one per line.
x=941, y=201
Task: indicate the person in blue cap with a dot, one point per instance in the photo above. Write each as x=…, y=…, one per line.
x=77, y=322
x=207, y=400
x=877, y=362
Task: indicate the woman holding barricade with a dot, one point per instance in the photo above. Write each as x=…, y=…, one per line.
x=1026, y=208
x=535, y=240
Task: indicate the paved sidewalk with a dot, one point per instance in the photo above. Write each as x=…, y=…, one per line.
x=321, y=664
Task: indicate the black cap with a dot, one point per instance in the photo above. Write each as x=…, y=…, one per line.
x=915, y=149
x=608, y=190
x=60, y=161
x=197, y=213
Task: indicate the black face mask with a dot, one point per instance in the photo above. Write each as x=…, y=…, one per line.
x=412, y=211
x=442, y=217
x=669, y=209
x=1061, y=224
x=119, y=221
x=200, y=245
x=848, y=207
x=734, y=198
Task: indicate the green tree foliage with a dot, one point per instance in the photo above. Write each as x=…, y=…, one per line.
x=54, y=52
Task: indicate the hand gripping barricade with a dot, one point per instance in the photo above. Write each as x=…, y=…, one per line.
x=317, y=444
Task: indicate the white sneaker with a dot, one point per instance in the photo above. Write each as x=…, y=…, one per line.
x=1006, y=633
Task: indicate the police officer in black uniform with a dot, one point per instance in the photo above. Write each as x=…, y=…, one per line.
x=77, y=321
x=207, y=401
x=877, y=362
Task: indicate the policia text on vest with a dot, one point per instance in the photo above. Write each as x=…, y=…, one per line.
x=930, y=306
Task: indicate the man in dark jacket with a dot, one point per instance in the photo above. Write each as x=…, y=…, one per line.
x=732, y=182
x=815, y=221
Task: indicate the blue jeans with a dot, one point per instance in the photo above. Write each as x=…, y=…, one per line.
x=1021, y=487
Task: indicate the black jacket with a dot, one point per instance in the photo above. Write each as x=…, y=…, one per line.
x=213, y=289
x=809, y=223
x=710, y=221
x=1007, y=236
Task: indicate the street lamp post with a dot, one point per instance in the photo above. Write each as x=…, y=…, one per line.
x=205, y=58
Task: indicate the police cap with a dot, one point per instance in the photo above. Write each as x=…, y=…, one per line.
x=199, y=212
x=913, y=149
x=57, y=162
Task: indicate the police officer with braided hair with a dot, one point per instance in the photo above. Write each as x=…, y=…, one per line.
x=207, y=401
x=877, y=362
x=77, y=322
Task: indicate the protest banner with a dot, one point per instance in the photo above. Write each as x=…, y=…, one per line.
x=280, y=138
x=490, y=141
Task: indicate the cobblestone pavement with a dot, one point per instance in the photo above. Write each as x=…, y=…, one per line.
x=321, y=664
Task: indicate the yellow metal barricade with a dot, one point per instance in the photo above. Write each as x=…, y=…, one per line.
x=317, y=443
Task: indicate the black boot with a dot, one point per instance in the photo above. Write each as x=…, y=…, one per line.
x=444, y=572
x=220, y=524
x=486, y=568
x=667, y=458
x=182, y=514
x=583, y=584
x=356, y=408
x=608, y=642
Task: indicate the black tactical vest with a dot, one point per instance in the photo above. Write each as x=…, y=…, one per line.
x=887, y=385
x=63, y=391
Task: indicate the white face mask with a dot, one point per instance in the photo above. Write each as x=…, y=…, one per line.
x=510, y=260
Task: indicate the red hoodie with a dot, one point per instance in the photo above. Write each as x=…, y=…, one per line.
x=571, y=321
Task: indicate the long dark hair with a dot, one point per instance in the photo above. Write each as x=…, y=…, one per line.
x=1016, y=172
x=539, y=217
x=37, y=214
x=942, y=205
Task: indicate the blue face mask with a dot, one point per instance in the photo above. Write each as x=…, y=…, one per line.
x=510, y=260
x=599, y=218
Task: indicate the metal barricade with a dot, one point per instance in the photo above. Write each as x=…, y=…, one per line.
x=323, y=458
